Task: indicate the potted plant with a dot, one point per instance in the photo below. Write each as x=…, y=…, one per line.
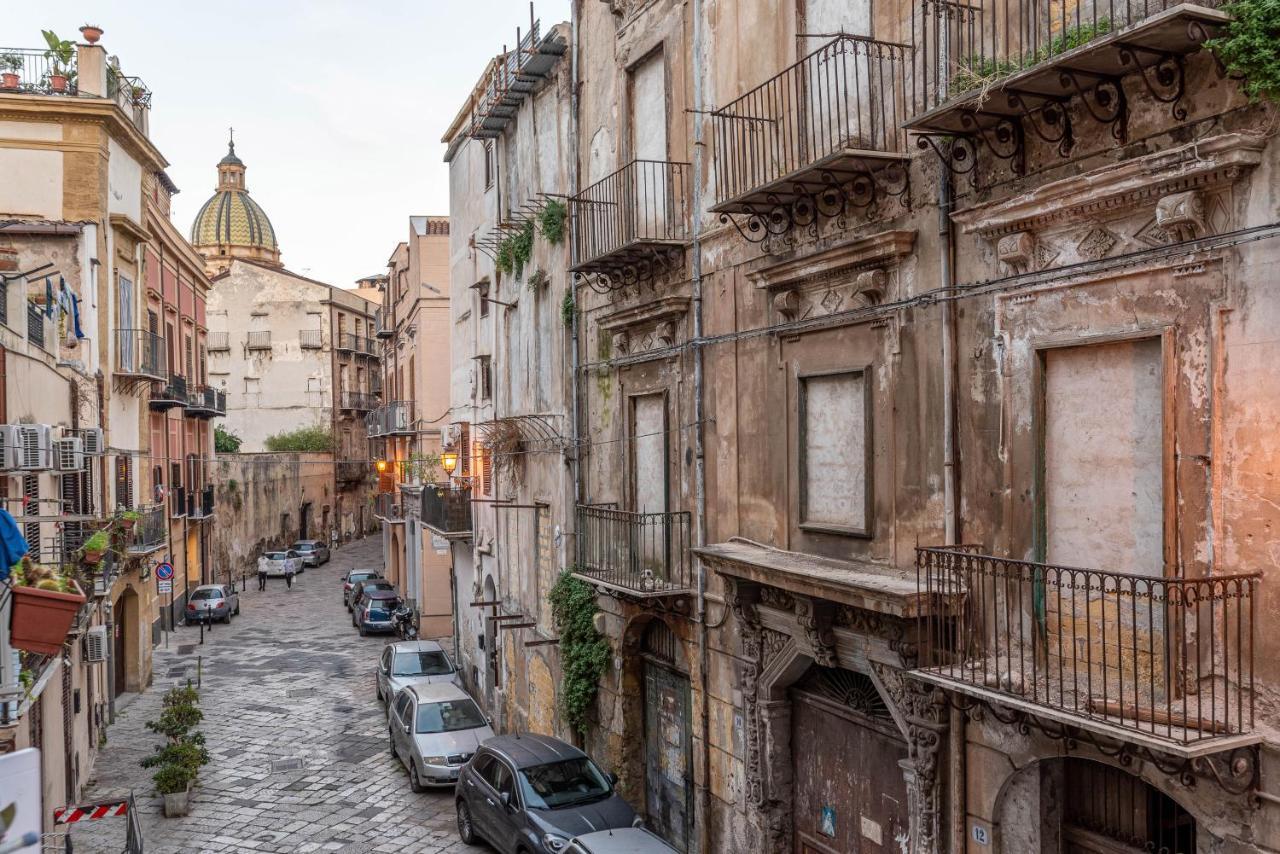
x=179, y=760
x=95, y=546
x=138, y=95
x=60, y=54
x=129, y=518
x=10, y=66
x=91, y=33
x=45, y=605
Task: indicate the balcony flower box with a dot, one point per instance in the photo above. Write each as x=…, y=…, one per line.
x=42, y=618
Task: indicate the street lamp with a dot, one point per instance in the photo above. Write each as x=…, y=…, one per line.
x=448, y=462
x=381, y=466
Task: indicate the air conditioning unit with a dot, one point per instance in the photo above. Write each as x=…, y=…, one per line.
x=8, y=447
x=34, y=447
x=94, y=446
x=95, y=644
x=68, y=454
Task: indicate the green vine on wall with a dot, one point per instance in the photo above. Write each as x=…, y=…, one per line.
x=551, y=220
x=1250, y=47
x=584, y=653
x=567, y=307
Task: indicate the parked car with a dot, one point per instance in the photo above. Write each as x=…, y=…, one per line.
x=353, y=577
x=373, y=611
x=358, y=589
x=624, y=840
x=527, y=792
x=412, y=662
x=312, y=552
x=278, y=563
x=435, y=729
x=210, y=602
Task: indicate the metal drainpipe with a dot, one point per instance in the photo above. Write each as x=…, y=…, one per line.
x=956, y=732
x=699, y=455
x=574, y=20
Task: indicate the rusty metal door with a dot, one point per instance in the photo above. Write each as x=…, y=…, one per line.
x=849, y=794
x=668, y=762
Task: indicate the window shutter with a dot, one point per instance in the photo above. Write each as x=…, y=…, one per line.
x=464, y=445
x=486, y=461
x=31, y=507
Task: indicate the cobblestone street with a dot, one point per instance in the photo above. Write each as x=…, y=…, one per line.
x=298, y=739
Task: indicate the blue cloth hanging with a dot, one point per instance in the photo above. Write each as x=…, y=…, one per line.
x=48, y=297
x=13, y=546
x=75, y=316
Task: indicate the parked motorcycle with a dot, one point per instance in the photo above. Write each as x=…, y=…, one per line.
x=405, y=628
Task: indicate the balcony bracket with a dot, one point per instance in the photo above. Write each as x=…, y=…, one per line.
x=645, y=265
x=1005, y=139
x=1165, y=77
x=1049, y=120
x=1103, y=99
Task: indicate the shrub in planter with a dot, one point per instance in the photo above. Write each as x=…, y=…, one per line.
x=95, y=547
x=179, y=760
x=45, y=605
x=129, y=518
x=10, y=70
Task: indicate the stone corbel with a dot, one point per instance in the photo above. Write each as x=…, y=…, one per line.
x=871, y=285
x=621, y=342
x=666, y=334
x=787, y=304
x=815, y=617
x=1181, y=215
x=1017, y=251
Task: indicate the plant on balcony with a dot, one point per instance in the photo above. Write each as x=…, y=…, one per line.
x=225, y=441
x=979, y=72
x=551, y=220
x=60, y=53
x=1250, y=48
x=127, y=519
x=178, y=762
x=95, y=547
x=504, y=261
x=303, y=440
x=584, y=653
x=10, y=66
x=421, y=467
x=45, y=604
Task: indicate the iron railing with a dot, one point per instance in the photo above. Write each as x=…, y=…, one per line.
x=645, y=554
x=850, y=95
x=962, y=46
x=446, y=509
x=393, y=418
x=206, y=402
x=178, y=502
x=359, y=401
x=259, y=340
x=311, y=339
x=348, y=341
x=141, y=353
x=642, y=204
x=150, y=532
x=200, y=503
x=386, y=506
x=32, y=73
x=353, y=471
x=505, y=87
x=169, y=394
x=219, y=341
x=369, y=346
x=380, y=322
x=1172, y=658
x=130, y=94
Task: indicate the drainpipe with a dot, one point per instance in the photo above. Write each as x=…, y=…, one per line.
x=574, y=20
x=703, y=809
x=951, y=520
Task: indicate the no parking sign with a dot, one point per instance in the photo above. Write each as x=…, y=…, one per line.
x=164, y=571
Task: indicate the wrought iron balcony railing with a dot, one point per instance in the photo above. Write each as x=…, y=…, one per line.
x=391, y=419
x=995, y=71
x=348, y=341
x=218, y=341
x=823, y=133
x=150, y=532
x=358, y=400
x=33, y=73
x=140, y=353
x=382, y=323
x=387, y=507
x=259, y=340
x=178, y=502
x=446, y=509
x=630, y=219
x=170, y=394
x=130, y=94
x=638, y=554
x=206, y=402
x=369, y=347
x=310, y=339
x=200, y=503
x=1170, y=659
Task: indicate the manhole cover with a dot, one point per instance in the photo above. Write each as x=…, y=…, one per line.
x=299, y=692
x=186, y=649
x=286, y=765
x=175, y=672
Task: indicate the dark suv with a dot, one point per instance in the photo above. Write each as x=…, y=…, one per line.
x=532, y=793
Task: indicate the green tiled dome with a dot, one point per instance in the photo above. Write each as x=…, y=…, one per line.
x=231, y=217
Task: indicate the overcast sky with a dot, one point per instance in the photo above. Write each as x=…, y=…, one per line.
x=338, y=105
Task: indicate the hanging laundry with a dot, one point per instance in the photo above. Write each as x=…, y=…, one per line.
x=48, y=296
x=12, y=544
x=75, y=316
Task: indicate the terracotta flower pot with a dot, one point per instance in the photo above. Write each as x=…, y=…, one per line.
x=127, y=524
x=9, y=80
x=91, y=33
x=58, y=82
x=42, y=618
x=93, y=556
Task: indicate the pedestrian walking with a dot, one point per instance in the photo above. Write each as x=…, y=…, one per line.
x=262, y=574
x=288, y=573
x=333, y=539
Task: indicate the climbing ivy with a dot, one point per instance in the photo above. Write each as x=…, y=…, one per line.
x=584, y=653
x=551, y=221
x=1250, y=47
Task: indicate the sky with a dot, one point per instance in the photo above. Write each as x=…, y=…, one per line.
x=338, y=107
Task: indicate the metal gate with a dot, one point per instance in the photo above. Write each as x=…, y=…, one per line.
x=668, y=752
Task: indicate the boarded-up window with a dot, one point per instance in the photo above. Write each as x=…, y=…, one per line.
x=823, y=17
x=649, y=453
x=1103, y=413
x=649, y=108
x=834, y=441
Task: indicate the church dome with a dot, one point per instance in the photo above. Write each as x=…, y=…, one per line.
x=231, y=224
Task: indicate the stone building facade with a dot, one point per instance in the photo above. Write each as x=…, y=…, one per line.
x=102, y=372
x=922, y=438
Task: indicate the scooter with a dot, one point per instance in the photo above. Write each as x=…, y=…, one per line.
x=405, y=629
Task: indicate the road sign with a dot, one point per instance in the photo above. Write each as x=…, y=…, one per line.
x=165, y=586
x=164, y=571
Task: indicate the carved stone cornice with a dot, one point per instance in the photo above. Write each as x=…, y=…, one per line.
x=651, y=311
x=875, y=251
x=1105, y=192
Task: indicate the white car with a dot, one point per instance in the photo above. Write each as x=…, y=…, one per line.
x=280, y=564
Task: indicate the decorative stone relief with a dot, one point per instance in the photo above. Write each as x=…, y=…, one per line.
x=651, y=325
x=1017, y=251
x=621, y=343
x=665, y=334
x=743, y=598
x=1182, y=215
x=777, y=598
x=925, y=710
x=815, y=618
x=1096, y=243
x=871, y=285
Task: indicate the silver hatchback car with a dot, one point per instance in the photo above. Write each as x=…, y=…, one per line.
x=312, y=552
x=411, y=662
x=434, y=731
x=210, y=602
